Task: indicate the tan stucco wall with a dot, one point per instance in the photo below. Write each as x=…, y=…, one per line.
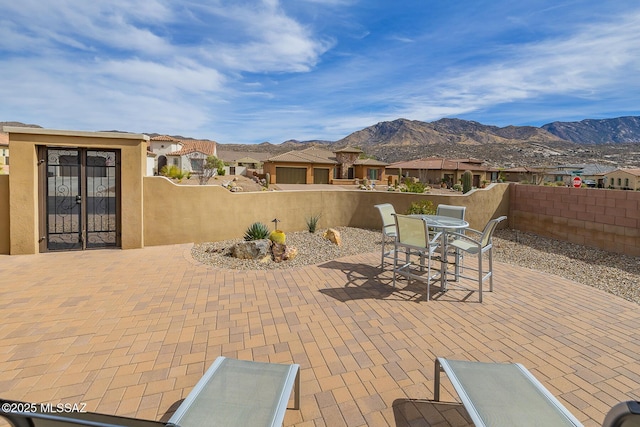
x=4, y=214
x=23, y=184
x=184, y=214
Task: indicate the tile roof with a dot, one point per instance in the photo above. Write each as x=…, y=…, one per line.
x=370, y=162
x=234, y=156
x=164, y=138
x=308, y=155
x=437, y=163
x=348, y=150
x=194, y=145
x=635, y=172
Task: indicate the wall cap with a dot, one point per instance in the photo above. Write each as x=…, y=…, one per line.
x=40, y=131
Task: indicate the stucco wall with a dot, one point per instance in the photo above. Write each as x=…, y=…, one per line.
x=4, y=214
x=182, y=214
x=23, y=183
x=606, y=219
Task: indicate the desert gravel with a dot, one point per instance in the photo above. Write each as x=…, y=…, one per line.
x=611, y=272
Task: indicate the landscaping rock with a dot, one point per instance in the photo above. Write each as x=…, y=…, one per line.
x=333, y=236
x=290, y=253
x=278, y=250
x=254, y=249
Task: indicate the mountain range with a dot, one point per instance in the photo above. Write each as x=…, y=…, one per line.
x=609, y=141
x=606, y=141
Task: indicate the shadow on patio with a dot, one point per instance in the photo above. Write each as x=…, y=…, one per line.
x=130, y=333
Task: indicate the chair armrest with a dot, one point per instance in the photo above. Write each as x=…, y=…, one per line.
x=465, y=237
x=471, y=230
x=436, y=237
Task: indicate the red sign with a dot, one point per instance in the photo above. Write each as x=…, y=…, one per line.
x=577, y=182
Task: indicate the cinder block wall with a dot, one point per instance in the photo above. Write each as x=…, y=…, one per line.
x=605, y=219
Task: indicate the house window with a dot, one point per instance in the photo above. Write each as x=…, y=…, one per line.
x=373, y=174
x=175, y=162
x=619, y=182
x=626, y=182
x=611, y=181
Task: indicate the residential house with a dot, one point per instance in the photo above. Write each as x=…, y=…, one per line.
x=592, y=174
x=522, y=174
x=4, y=153
x=623, y=179
x=316, y=165
x=188, y=155
x=242, y=162
x=437, y=170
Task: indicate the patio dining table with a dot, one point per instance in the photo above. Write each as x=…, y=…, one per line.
x=444, y=224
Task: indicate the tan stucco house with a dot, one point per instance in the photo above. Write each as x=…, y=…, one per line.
x=623, y=179
x=316, y=165
x=436, y=170
x=4, y=153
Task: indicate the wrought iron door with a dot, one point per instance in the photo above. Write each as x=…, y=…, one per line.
x=82, y=198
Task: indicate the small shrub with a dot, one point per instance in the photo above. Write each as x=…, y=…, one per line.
x=422, y=207
x=312, y=223
x=256, y=231
x=457, y=187
x=411, y=186
x=174, y=172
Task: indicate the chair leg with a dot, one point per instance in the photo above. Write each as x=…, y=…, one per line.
x=428, y=278
x=480, y=275
x=395, y=264
x=491, y=269
x=384, y=240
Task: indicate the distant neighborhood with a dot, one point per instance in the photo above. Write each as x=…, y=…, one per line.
x=353, y=159
x=315, y=165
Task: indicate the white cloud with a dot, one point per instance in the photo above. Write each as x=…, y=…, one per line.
x=588, y=63
x=161, y=77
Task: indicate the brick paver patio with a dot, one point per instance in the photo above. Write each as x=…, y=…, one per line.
x=130, y=333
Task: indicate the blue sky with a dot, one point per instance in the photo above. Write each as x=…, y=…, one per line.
x=248, y=71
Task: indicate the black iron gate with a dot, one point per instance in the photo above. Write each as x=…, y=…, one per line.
x=81, y=195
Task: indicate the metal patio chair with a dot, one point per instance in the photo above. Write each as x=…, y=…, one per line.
x=388, y=228
x=414, y=240
x=478, y=243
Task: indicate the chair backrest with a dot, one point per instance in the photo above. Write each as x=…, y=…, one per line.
x=388, y=221
x=487, y=233
x=412, y=231
x=451, y=211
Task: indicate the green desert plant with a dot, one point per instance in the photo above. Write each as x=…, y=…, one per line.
x=467, y=178
x=413, y=187
x=312, y=223
x=256, y=231
x=174, y=172
x=422, y=207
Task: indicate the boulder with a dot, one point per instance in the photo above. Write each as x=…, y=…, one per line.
x=333, y=236
x=290, y=252
x=254, y=249
x=278, y=250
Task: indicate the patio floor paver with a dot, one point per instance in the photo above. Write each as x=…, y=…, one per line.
x=131, y=332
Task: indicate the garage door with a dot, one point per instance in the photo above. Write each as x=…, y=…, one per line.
x=291, y=175
x=320, y=176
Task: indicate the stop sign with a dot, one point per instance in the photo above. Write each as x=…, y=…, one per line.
x=577, y=182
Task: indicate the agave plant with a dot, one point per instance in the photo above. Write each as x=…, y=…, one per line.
x=256, y=231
